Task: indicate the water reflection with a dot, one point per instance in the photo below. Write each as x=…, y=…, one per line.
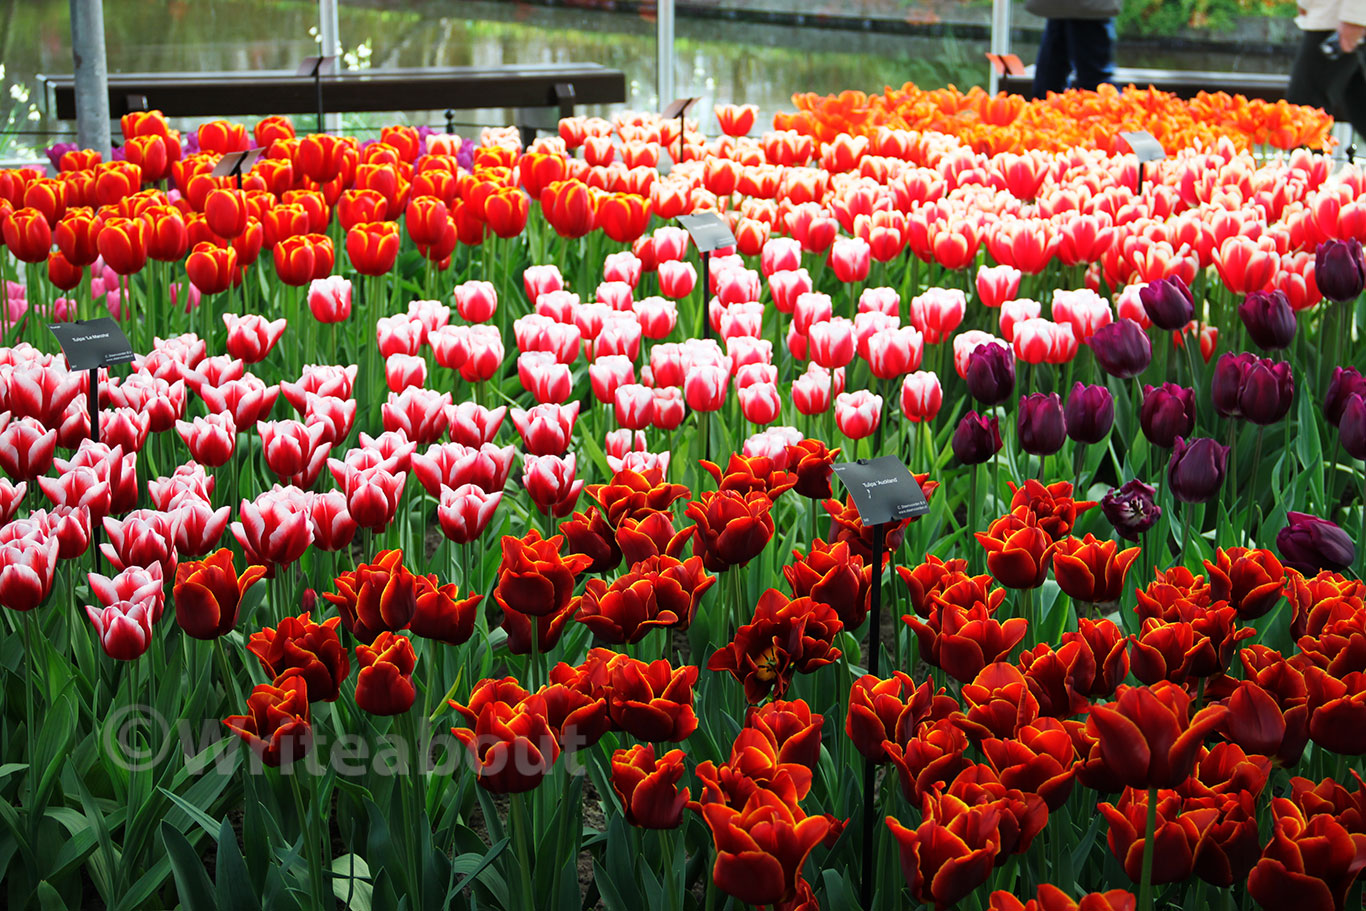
x=717, y=59
x=763, y=64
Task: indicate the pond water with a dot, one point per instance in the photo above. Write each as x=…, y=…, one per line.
x=718, y=60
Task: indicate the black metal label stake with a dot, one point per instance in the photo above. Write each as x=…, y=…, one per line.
x=1145, y=147
x=709, y=232
x=89, y=345
x=235, y=164
x=884, y=491
x=316, y=68
x=679, y=108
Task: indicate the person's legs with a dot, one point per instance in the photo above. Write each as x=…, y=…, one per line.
x=1091, y=46
x=1052, y=66
x=1338, y=86
x=1351, y=103
x=1307, y=74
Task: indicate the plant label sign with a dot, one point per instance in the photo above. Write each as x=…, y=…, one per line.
x=92, y=343
x=708, y=231
x=314, y=67
x=884, y=490
x=678, y=107
x=236, y=163
x=1144, y=145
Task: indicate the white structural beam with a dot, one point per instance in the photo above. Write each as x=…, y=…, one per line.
x=1000, y=37
x=664, y=51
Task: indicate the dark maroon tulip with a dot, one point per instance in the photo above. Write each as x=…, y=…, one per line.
x=1345, y=383
x=1311, y=544
x=1268, y=390
x=1269, y=318
x=1168, y=412
x=1352, y=428
x=1122, y=349
x=1196, y=470
x=1339, y=269
x=1226, y=386
x=1040, y=423
x=977, y=438
x=1168, y=303
x=1090, y=413
x=991, y=374
x=1131, y=509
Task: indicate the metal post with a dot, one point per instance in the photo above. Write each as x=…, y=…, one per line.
x=92, y=75
x=664, y=51
x=1000, y=37
x=869, y=769
x=93, y=403
x=329, y=45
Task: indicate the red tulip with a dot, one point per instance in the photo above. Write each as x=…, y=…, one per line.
x=784, y=637
x=648, y=787
x=208, y=593
x=276, y=725
x=760, y=850
x=1147, y=738
x=951, y=852
x=373, y=247
x=384, y=685
x=309, y=651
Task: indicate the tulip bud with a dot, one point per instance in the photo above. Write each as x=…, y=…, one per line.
x=977, y=438
x=1339, y=269
x=1196, y=470
x=1131, y=509
x=1345, y=383
x=1090, y=413
x=991, y=374
x=1168, y=412
x=1040, y=423
x=1122, y=349
x=1310, y=544
x=858, y=413
x=1352, y=427
x=1168, y=302
x=1269, y=319
x=921, y=396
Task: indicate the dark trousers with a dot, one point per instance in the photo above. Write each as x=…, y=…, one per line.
x=1338, y=86
x=1081, y=48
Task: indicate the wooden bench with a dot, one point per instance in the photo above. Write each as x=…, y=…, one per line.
x=1182, y=83
x=226, y=94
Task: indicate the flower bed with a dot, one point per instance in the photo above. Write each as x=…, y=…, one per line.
x=606, y=606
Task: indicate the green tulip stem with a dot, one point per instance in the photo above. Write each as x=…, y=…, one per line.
x=308, y=834
x=974, y=508
x=1185, y=531
x=519, y=821
x=1145, y=884
x=1252, y=486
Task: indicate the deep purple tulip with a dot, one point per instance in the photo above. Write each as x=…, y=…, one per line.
x=1340, y=269
x=1122, y=348
x=1269, y=318
x=1226, y=385
x=1040, y=424
x=991, y=373
x=1311, y=544
x=977, y=438
x=1131, y=509
x=1196, y=470
x=1352, y=427
x=1168, y=303
x=1268, y=390
x=1090, y=413
x=1168, y=412
x=1346, y=382
x=1256, y=388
